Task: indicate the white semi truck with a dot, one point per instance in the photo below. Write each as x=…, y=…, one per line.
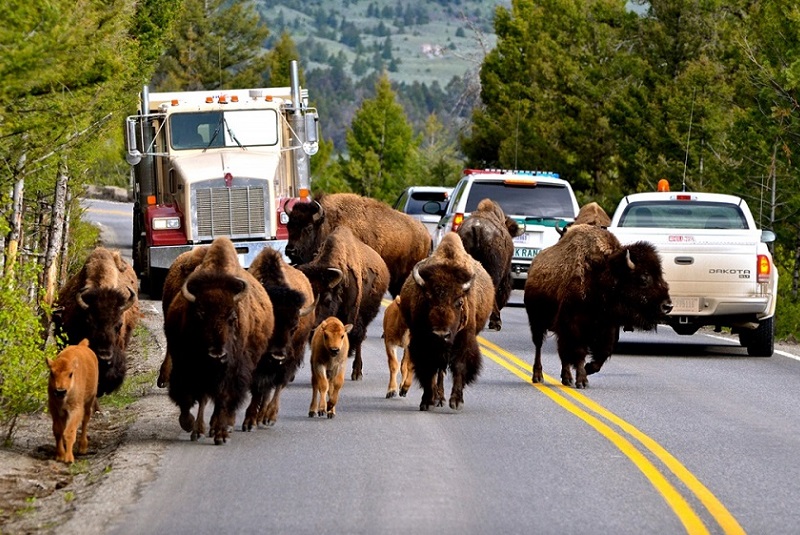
x=216, y=163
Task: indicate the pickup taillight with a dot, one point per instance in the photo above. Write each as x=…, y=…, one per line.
x=763, y=268
x=457, y=220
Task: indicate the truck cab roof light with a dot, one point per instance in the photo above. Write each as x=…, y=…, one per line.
x=663, y=185
x=174, y=102
x=209, y=100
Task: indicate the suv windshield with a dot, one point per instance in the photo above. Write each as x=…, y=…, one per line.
x=542, y=200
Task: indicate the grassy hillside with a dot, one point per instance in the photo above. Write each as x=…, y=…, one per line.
x=427, y=40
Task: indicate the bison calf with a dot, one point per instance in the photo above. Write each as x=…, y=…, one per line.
x=71, y=393
x=329, y=347
x=396, y=334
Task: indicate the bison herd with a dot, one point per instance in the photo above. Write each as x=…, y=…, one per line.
x=232, y=331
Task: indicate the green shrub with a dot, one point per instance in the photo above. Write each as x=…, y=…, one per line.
x=23, y=372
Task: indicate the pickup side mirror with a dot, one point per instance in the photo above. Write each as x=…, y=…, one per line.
x=767, y=236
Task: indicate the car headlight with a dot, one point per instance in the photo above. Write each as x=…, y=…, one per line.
x=166, y=223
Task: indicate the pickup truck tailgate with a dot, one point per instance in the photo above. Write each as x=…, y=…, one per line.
x=708, y=271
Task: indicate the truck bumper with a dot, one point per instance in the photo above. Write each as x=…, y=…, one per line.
x=163, y=257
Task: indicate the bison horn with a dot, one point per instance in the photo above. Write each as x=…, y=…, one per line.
x=186, y=293
x=131, y=300
x=307, y=310
x=79, y=298
x=468, y=284
x=337, y=279
x=241, y=293
x=319, y=214
x=417, y=277
x=631, y=265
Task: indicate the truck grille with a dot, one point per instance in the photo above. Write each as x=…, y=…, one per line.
x=237, y=212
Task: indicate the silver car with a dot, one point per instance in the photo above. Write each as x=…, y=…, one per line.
x=424, y=203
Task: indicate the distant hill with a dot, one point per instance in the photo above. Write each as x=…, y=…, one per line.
x=415, y=40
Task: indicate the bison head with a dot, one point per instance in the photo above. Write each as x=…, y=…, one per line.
x=104, y=319
x=444, y=289
x=287, y=305
x=303, y=226
x=333, y=334
x=329, y=289
x=214, y=312
x=640, y=293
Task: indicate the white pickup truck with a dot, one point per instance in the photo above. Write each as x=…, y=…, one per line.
x=716, y=261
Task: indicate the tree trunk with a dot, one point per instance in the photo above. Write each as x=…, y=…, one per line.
x=55, y=235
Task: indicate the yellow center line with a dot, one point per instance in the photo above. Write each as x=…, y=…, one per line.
x=682, y=509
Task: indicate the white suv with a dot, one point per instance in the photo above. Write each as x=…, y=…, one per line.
x=538, y=201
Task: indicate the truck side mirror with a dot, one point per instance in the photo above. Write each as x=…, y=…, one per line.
x=133, y=155
x=767, y=236
x=312, y=132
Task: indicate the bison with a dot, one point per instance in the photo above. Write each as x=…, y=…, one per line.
x=329, y=348
x=445, y=303
x=349, y=278
x=395, y=334
x=398, y=238
x=71, y=395
x=293, y=306
x=589, y=214
x=488, y=238
x=584, y=288
x=100, y=303
x=217, y=329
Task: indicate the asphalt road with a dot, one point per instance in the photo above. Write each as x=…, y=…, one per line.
x=674, y=435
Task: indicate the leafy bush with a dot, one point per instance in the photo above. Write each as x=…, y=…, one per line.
x=23, y=372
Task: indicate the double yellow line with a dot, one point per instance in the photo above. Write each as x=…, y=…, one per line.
x=590, y=412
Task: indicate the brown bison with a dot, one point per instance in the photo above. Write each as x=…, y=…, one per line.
x=329, y=348
x=71, y=395
x=398, y=238
x=217, y=330
x=583, y=289
x=100, y=303
x=293, y=306
x=589, y=214
x=349, y=279
x=395, y=334
x=489, y=239
x=445, y=303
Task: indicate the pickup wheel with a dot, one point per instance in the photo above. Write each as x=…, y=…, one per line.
x=760, y=342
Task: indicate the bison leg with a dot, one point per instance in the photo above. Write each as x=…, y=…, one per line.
x=602, y=349
x=269, y=414
x=319, y=385
x=221, y=421
x=440, y=388
x=428, y=393
x=407, y=370
x=394, y=367
x=164, y=372
x=83, y=444
x=357, y=364
x=198, y=428
x=334, y=387
x=253, y=410
x=495, y=322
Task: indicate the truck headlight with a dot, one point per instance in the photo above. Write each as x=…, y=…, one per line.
x=166, y=223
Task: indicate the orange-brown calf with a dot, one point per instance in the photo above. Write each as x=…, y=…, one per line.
x=71, y=392
x=329, y=348
x=396, y=334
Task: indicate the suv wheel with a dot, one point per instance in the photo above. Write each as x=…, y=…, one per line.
x=760, y=342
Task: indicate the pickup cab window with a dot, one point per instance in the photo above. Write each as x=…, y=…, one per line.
x=683, y=215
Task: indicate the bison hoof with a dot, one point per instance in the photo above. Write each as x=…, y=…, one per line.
x=424, y=406
x=580, y=385
x=194, y=436
x=456, y=404
x=331, y=415
x=187, y=421
x=391, y=393
x=495, y=325
x=403, y=392
x=311, y=414
x=537, y=378
x=320, y=413
x=356, y=376
x=247, y=426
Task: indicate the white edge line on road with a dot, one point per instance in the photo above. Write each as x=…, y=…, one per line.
x=777, y=351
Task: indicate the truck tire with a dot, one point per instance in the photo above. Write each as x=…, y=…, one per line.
x=760, y=342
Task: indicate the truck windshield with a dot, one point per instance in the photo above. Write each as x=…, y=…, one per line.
x=540, y=201
x=215, y=129
x=683, y=215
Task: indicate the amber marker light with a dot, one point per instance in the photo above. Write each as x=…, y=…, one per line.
x=663, y=185
x=304, y=193
x=763, y=268
x=151, y=200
